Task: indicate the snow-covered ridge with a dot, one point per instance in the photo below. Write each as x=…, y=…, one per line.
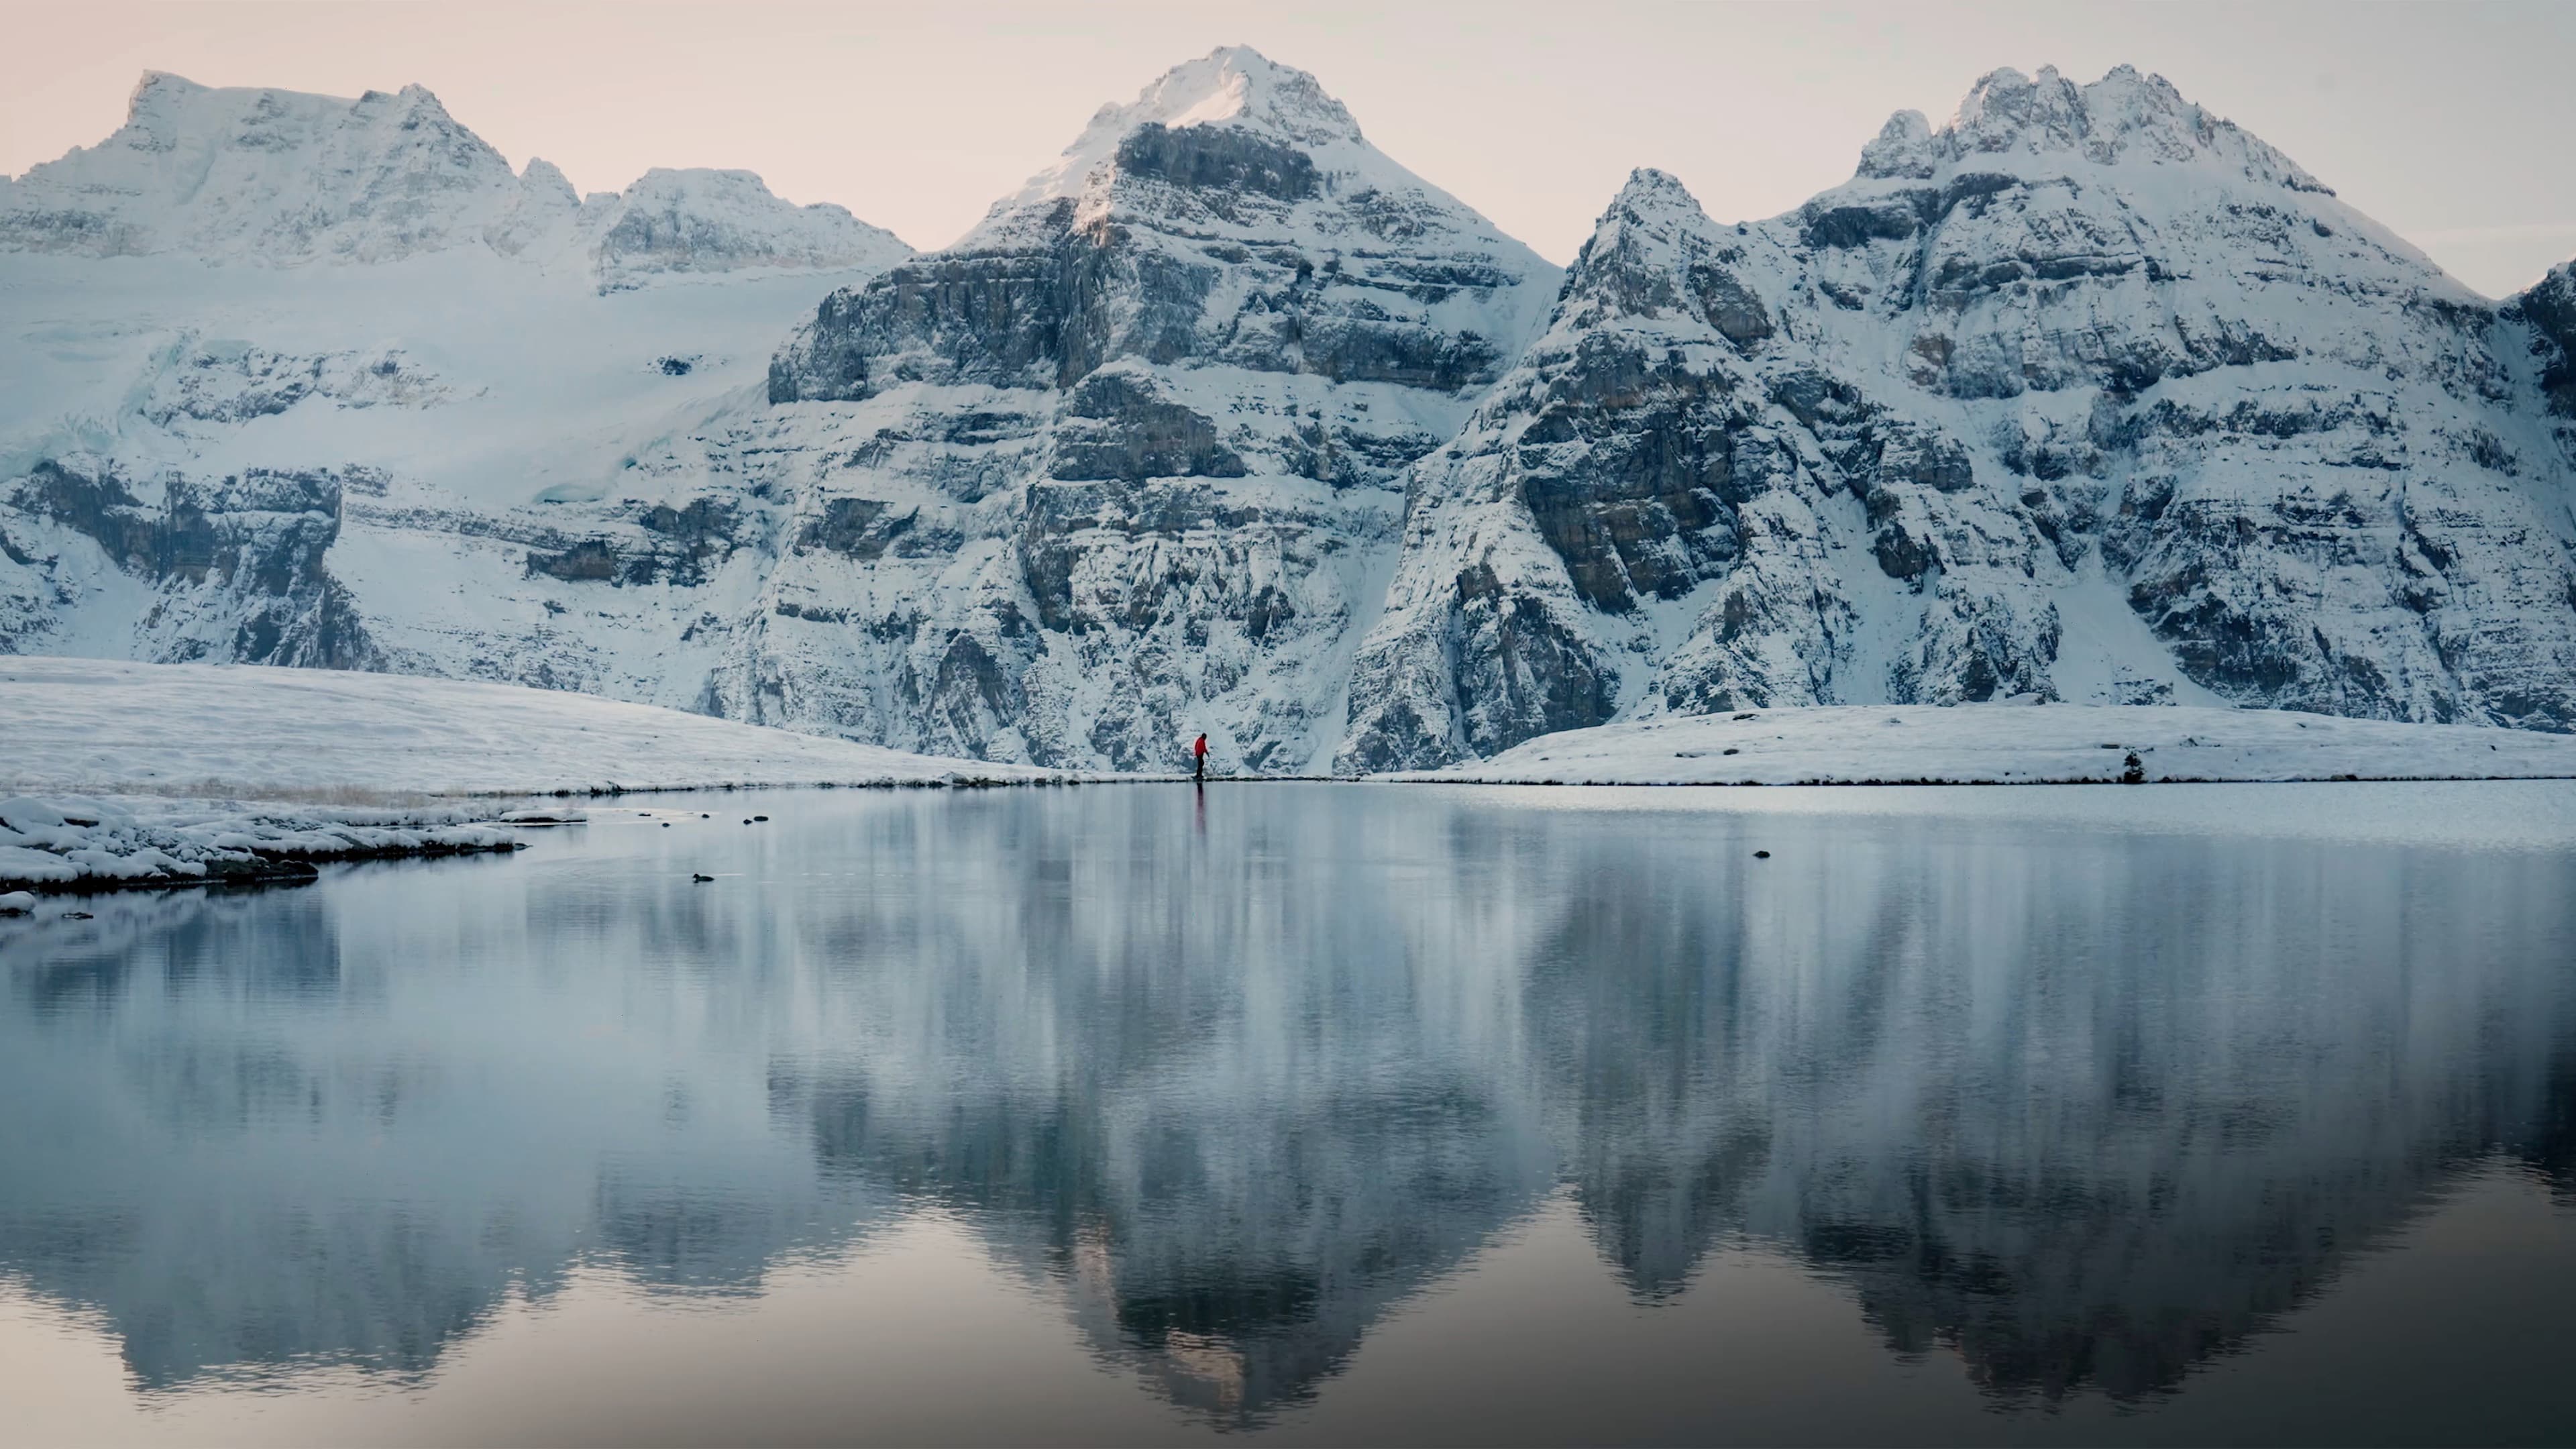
x=699, y=220
x=281, y=178
x=2124, y=117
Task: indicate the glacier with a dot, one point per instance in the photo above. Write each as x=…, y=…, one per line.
x=1228, y=422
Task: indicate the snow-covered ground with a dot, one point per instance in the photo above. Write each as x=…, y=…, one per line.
x=248, y=731
x=73, y=842
x=2016, y=744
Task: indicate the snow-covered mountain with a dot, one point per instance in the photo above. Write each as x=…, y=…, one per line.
x=300, y=380
x=281, y=178
x=1226, y=421
x=1130, y=457
x=2087, y=394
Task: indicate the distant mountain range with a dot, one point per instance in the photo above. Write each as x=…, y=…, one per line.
x=1228, y=422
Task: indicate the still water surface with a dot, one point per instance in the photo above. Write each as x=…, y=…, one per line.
x=1324, y=1113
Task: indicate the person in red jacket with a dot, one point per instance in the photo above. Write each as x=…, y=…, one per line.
x=1199, y=753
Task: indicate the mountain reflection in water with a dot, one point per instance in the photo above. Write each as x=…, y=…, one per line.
x=2085, y=1105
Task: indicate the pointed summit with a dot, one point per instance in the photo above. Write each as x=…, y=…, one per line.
x=1237, y=85
x=1655, y=255
x=1651, y=192
x=1231, y=117
x=1352, y=267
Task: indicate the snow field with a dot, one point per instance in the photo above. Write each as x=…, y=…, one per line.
x=249, y=731
x=2015, y=744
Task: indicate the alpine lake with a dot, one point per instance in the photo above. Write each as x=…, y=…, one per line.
x=1319, y=1113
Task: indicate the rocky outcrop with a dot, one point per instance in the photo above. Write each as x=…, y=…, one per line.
x=233, y=382
x=233, y=568
x=2087, y=394
x=2549, y=310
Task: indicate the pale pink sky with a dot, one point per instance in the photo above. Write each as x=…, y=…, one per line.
x=2448, y=122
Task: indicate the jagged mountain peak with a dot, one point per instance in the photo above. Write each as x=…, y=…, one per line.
x=1242, y=116
x=1237, y=85
x=1650, y=190
x=171, y=112
x=283, y=177
x=1640, y=228
x=2126, y=117
x=542, y=175
x=1232, y=85
x=267, y=175
x=1656, y=255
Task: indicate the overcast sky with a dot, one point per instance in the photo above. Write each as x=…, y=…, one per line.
x=2451, y=123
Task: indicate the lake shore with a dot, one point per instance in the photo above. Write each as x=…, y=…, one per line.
x=303, y=739
x=2015, y=744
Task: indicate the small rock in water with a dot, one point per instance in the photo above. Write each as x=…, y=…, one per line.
x=700, y=879
x=1730, y=749
x=76, y=915
x=702, y=815
x=1761, y=855
x=760, y=817
x=666, y=824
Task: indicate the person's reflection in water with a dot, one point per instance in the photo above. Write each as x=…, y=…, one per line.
x=1201, y=809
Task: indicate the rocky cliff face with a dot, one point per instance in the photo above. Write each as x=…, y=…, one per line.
x=1126, y=462
x=2086, y=394
x=229, y=569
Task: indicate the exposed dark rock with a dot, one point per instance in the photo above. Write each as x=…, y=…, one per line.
x=1116, y=426
x=256, y=541
x=1219, y=159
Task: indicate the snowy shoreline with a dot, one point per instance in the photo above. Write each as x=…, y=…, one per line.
x=155, y=776
x=2014, y=744
x=78, y=844
x=164, y=740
